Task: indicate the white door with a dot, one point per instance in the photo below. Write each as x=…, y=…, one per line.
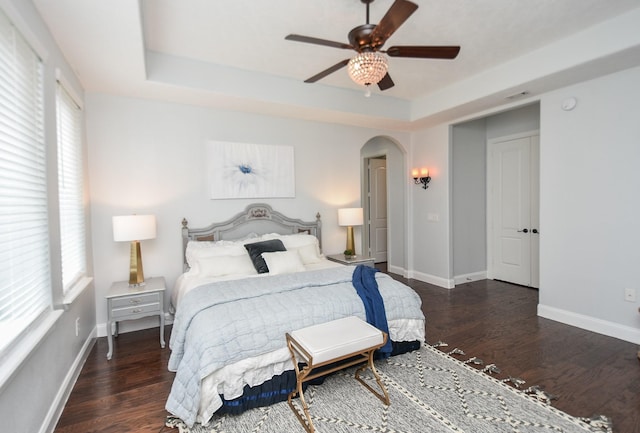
x=513, y=210
x=378, y=209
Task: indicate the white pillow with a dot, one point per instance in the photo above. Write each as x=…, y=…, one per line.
x=309, y=254
x=200, y=250
x=283, y=262
x=297, y=242
x=225, y=265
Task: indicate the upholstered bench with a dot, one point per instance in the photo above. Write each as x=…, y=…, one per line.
x=343, y=342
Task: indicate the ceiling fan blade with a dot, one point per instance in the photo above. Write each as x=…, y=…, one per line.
x=386, y=82
x=397, y=14
x=424, y=52
x=310, y=40
x=327, y=71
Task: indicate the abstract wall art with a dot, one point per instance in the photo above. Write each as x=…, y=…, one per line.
x=241, y=170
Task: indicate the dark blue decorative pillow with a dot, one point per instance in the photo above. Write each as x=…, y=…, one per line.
x=256, y=249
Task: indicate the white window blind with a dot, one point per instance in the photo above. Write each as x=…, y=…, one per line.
x=25, y=283
x=70, y=188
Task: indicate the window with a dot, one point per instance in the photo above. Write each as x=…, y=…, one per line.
x=70, y=191
x=25, y=283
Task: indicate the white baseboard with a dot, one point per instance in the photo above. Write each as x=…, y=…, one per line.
x=604, y=327
x=397, y=270
x=57, y=406
x=432, y=279
x=468, y=278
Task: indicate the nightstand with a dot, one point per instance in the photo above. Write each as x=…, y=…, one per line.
x=357, y=260
x=130, y=303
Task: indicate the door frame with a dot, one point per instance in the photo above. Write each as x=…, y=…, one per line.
x=398, y=242
x=367, y=205
x=366, y=227
x=489, y=180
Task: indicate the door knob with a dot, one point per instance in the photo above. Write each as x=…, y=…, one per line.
x=523, y=231
x=535, y=231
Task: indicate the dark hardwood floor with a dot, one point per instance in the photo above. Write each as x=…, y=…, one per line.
x=494, y=321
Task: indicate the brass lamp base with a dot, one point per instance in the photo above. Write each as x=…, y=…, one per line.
x=136, y=275
x=350, y=244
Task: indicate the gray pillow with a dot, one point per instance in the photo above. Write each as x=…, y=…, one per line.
x=256, y=249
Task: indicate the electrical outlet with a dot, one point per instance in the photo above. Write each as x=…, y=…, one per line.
x=77, y=326
x=630, y=295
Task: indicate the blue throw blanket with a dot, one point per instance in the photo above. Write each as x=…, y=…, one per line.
x=364, y=281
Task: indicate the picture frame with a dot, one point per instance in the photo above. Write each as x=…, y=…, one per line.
x=244, y=170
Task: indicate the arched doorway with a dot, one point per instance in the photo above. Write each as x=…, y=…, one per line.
x=393, y=155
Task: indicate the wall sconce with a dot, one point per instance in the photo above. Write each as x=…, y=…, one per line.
x=421, y=177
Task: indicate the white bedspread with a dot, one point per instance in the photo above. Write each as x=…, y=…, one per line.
x=188, y=281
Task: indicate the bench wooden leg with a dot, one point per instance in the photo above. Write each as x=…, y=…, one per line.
x=305, y=374
x=384, y=397
x=301, y=375
x=306, y=419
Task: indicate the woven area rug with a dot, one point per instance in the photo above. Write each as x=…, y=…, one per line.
x=430, y=391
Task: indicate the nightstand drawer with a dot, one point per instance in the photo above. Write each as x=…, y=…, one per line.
x=134, y=300
x=133, y=310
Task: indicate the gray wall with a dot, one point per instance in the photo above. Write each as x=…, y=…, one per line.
x=171, y=140
x=469, y=204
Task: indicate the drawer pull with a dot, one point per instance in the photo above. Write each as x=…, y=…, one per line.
x=136, y=310
x=134, y=301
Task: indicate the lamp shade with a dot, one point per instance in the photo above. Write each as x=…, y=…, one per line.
x=350, y=216
x=134, y=227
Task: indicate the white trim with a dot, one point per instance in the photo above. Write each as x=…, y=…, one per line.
x=432, y=279
x=25, y=30
x=468, y=278
x=396, y=270
x=21, y=349
x=61, y=398
x=76, y=289
x=593, y=324
x=68, y=87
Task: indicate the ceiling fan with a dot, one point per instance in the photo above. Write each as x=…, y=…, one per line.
x=369, y=66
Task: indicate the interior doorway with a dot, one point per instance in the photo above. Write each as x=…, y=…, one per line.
x=377, y=208
x=471, y=216
x=390, y=201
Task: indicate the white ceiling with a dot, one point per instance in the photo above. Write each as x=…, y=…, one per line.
x=232, y=53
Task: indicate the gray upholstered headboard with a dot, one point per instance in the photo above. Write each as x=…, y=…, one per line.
x=257, y=218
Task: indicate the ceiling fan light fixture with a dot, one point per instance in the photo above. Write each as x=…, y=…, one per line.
x=368, y=68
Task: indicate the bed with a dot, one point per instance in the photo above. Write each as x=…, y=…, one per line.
x=246, y=282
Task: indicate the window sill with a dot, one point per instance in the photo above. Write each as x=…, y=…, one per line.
x=75, y=291
x=12, y=361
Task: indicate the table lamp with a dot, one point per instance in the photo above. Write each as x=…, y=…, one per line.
x=350, y=217
x=134, y=228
